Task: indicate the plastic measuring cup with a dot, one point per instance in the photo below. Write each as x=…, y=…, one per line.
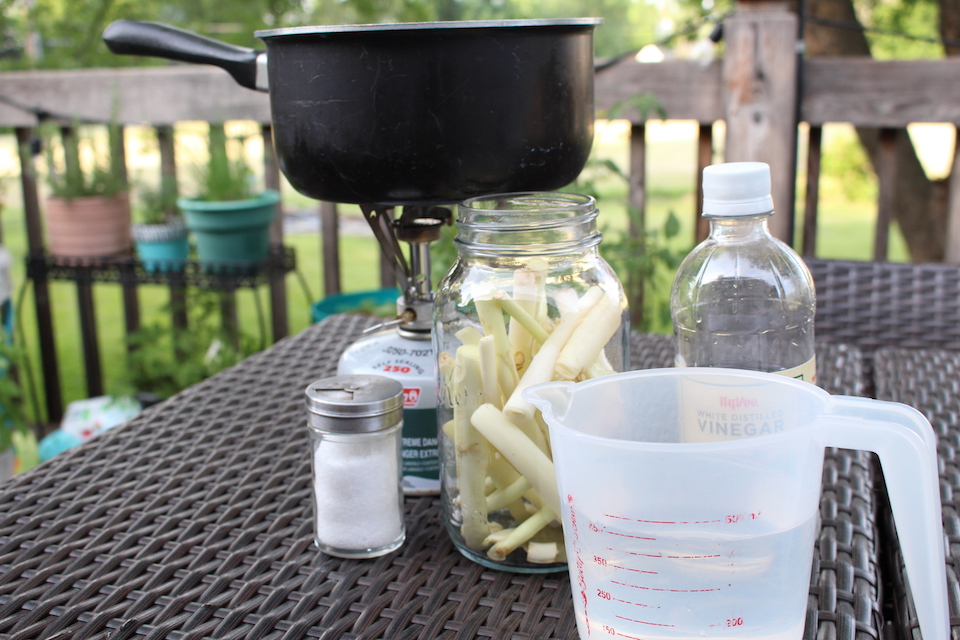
x=690, y=498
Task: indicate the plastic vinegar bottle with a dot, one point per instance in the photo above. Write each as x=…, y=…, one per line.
x=743, y=299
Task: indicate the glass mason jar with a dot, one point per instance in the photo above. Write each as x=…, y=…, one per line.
x=529, y=300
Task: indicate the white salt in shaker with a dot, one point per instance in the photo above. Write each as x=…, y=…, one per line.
x=355, y=424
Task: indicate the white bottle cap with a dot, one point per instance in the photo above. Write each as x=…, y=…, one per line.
x=737, y=189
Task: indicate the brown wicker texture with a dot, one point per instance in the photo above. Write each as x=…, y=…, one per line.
x=883, y=304
x=194, y=521
x=929, y=379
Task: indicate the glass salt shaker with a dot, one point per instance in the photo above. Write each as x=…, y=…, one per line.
x=528, y=300
x=355, y=424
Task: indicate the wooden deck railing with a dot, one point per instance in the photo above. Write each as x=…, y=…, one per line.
x=753, y=89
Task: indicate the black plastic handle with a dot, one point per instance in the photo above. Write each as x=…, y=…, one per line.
x=142, y=38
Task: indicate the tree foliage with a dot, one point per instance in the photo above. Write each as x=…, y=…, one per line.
x=66, y=33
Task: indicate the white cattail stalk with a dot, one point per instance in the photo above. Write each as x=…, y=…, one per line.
x=542, y=368
x=504, y=475
x=600, y=367
x=520, y=451
x=589, y=338
x=543, y=552
x=470, y=447
x=501, y=498
x=491, y=318
x=520, y=535
x=488, y=371
x=531, y=429
x=524, y=297
x=469, y=335
x=522, y=317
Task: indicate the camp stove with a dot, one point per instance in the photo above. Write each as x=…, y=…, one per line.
x=402, y=348
x=406, y=114
x=418, y=226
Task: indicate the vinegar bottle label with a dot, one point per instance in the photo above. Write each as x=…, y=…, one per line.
x=714, y=412
x=806, y=371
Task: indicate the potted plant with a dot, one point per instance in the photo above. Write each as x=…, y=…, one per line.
x=88, y=209
x=165, y=359
x=161, y=237
x=229, y=218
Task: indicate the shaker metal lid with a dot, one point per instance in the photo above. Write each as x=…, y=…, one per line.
x=354, y=396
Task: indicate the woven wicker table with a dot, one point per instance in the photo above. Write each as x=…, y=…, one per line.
x=928, y=379
x=194, y=521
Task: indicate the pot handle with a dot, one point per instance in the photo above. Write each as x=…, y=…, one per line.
x=143, y=38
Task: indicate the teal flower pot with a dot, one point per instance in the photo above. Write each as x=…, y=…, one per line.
x=162, y=248
x=231, y=236
x=350, y=302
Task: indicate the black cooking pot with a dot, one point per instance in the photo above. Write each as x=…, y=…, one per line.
x=413, y=113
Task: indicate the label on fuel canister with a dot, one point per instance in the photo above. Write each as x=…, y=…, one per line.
x=411, y=363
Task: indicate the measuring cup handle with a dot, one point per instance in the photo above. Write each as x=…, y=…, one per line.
x=905, y=443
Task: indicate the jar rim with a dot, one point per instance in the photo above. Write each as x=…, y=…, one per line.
x=541, y=210
x=525, y=223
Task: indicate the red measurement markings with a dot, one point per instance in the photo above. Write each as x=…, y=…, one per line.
x=600, y=560
x=575, y=540
x=652, y=624
x=637, y=586
x=738, y=517
x=652, y=573
x=614, y=632
x=638, y=604
x=627, y=535
x=616, y=517
x=660, y=555
x=636, y=553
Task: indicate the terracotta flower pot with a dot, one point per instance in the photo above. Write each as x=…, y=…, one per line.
x=89, y=227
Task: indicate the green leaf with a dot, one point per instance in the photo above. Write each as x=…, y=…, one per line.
x=671, y=228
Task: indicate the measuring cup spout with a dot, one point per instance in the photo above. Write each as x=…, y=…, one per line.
x=552, y=398
x=904, y=441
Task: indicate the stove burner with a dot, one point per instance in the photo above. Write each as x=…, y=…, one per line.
x=418, y=226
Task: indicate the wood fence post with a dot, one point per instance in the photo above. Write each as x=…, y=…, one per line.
x=170, y=189
x=887, y=179
x=330, y=247
x=277, y=279
x=637, y=201
x=704, y=160
x=759, y=93
x=953, y=207
x=131, y=299
x=41, y=284
x=812, y=199
x=92, y=367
